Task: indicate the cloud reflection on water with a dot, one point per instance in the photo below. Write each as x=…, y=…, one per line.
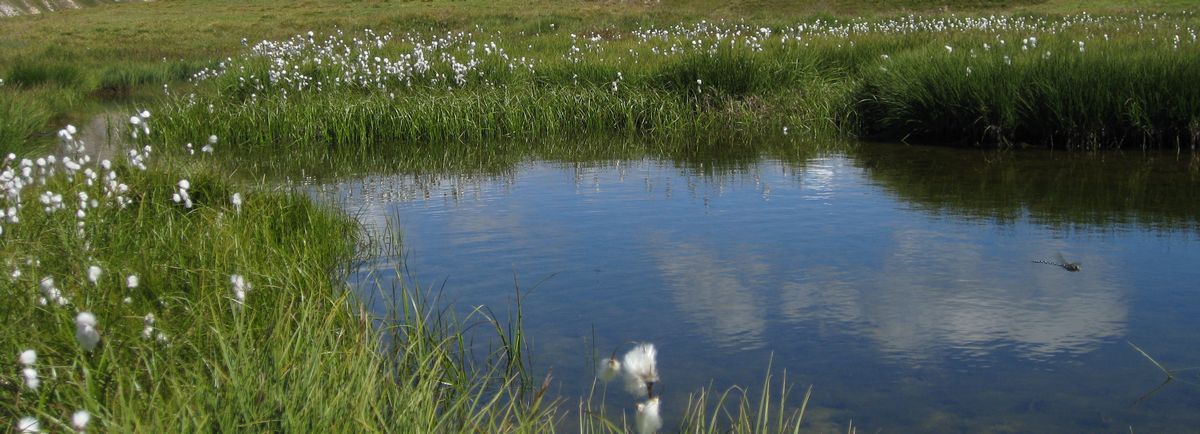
x=935, y=294
x=932, y=291
x=715, y=292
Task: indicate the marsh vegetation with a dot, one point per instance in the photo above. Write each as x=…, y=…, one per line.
x=217, y=296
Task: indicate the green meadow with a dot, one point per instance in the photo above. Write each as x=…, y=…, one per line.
x=239, y=317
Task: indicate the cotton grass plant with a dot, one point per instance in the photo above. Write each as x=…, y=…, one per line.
x=997, y=79
x=263, y=335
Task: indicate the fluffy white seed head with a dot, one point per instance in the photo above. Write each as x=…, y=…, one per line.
x=609, y=368
x=634, y=385
x=94, y=274
x=648, y=418
x=640, y=368
x=31, y=378
x=131, y=281
x=28, y=357
x=28, y=425
x=239, y=283
x=85, y=319
x=80, y=420
x=85, y=331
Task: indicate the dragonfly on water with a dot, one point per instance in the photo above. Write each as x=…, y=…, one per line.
x=1062, y=262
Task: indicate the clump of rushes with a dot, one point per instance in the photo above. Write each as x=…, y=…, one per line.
x=1045, y=91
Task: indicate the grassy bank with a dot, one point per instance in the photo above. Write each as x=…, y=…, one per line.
x=814, y=69
x=215, y=313
x=1076, y=81
x=1066, y=92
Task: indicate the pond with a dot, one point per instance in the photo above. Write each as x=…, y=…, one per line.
x=898, y=281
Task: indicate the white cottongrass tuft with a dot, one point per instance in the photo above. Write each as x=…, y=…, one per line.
x=648, y=418
x=236, y=200
x=240, y=287
x=641, y=371
x=94, y=274
x=50, y=293
x=181, y=194
x=31, y=378
x=28, y=357
x=131, y=281
x=609, y=368
x=80, y=420
x=28, y=425
x=85, y=331
x=148, y=322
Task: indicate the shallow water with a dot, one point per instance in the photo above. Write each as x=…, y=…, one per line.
x=898, y=281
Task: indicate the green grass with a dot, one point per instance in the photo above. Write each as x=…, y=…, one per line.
x=302, y=355
x=158, y=43
x=1107, y=95
x=20, y=117
x=299, y=354
x=892, y=80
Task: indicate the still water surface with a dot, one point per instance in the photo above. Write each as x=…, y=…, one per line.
x=898, y=281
